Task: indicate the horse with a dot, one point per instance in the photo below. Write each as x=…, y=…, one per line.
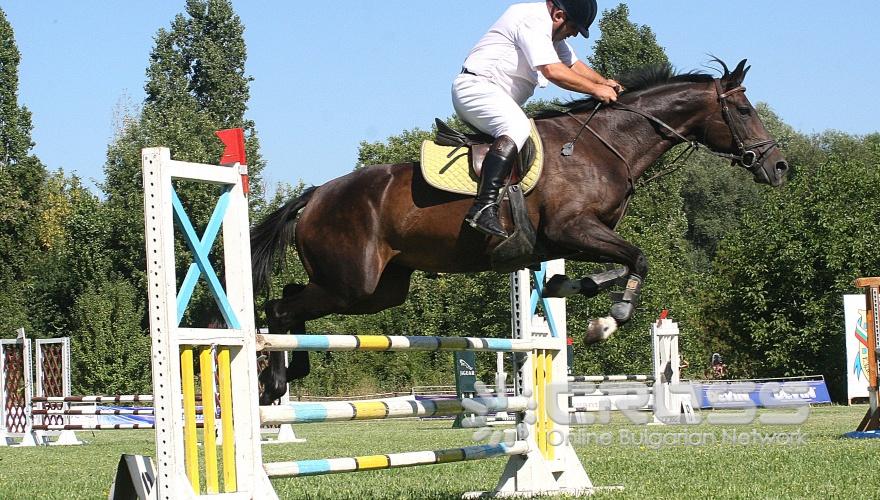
x=361, y=236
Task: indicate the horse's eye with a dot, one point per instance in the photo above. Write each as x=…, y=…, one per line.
x=744, y=110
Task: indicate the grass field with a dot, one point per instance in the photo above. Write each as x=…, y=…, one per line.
x=678, y=462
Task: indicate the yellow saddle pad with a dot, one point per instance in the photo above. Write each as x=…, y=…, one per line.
x=450, y=171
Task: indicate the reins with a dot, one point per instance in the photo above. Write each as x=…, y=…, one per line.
x=747, y=156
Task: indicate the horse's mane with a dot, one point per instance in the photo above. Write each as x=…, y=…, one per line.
x=639, y=79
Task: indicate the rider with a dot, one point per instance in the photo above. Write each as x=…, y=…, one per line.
x=525, y=48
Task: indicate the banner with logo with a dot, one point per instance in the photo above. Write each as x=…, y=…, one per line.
x=856, y=328
x=733, y=394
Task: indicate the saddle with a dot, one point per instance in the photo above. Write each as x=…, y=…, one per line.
x=478, y=145
x=453, y=161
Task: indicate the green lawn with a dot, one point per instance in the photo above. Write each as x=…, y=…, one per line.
x=824, y=466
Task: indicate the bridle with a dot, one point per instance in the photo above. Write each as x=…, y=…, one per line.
x=749, y=156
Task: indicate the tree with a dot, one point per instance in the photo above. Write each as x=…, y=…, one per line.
x=111, y=355
x=21, y=180
x=196, y=84
x=624, y=45
x=779, y=277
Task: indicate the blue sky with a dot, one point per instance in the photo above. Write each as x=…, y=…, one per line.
x=328, y=75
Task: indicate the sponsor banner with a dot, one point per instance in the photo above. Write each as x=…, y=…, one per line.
x=762, y=394
x=465, y=372
x=855, y=316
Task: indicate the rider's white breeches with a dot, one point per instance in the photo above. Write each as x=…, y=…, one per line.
x=487, y=106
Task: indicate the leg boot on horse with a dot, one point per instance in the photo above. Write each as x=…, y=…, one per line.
x=483, y=215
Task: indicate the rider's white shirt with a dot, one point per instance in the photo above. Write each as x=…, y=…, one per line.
x=510, y=52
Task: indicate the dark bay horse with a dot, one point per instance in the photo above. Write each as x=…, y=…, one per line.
x=361, y=236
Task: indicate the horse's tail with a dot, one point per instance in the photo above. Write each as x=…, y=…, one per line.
x=270, y=237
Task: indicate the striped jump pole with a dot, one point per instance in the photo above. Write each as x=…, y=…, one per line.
x=610, y=378
x=331, y=343
x=93, y=411
x=393, y=461
x=145, y=398
x=301, y=413
x=91, y=427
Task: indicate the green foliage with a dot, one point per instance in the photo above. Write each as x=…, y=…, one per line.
x=717, y=195
x=21, y=181
x=75, y=229
x=401, y=148
x=624, y=45
x=110, y=349
x=196, y=85
x=776, y=299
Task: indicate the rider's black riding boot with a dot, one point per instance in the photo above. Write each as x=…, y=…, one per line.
x=483, y=215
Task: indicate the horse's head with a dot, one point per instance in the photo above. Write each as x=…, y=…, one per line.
x=737, y=131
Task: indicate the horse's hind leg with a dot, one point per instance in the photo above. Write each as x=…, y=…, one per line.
x=298, y=304
x=302, y=303
x=597, y=242
x=299, y=366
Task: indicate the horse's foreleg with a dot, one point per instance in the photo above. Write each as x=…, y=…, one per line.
x=283, y=315
x=562, y=286
x=597, y=242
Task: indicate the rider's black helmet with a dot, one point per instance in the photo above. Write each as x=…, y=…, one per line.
x=580, y=12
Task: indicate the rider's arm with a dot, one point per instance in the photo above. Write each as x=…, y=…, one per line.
x=569, y=79
x=593, y=75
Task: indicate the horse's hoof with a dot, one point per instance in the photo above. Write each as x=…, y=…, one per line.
x=270, y=395
x=559, y=286
x=599, y=330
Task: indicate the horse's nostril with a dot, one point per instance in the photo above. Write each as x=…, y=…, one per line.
x=781, y=166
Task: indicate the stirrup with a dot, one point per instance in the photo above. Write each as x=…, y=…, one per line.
x=472, y=221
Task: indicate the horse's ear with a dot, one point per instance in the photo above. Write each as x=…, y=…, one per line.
x=739, y=74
